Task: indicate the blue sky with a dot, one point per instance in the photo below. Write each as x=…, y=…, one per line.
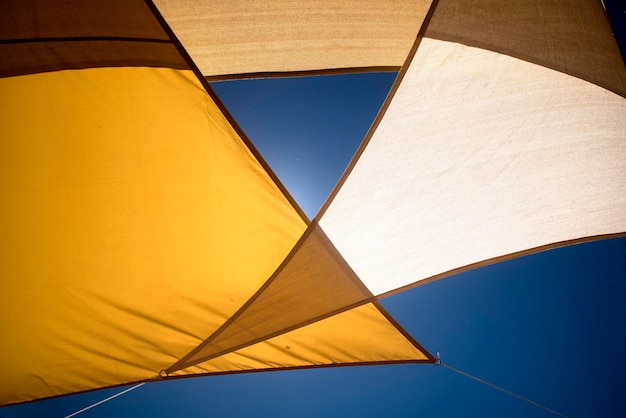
x=307, y=129
x=549, y=326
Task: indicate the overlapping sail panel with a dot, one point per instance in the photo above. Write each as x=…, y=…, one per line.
x=488, y=148
x=232, y=37
x=324, y=343
x=311, y=284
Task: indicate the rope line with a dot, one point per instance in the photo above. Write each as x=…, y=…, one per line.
x=508, y=392
x=106, y=400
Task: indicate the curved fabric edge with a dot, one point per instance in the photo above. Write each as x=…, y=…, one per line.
x=302, y=73
x=502, y=258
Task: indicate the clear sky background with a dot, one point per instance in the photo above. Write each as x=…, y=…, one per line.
x=549, y=326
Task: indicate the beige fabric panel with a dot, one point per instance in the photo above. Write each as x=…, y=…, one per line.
x=234, y=37
x=312, y=283
x=360, y=335
x=479, y=155
x=572, y=36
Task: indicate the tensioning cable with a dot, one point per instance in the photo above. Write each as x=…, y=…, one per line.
x=508, y=392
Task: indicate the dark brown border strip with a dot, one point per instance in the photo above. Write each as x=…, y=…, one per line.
x=84, y=39
x=303, y=73
x=229, y=117
x=501, y=258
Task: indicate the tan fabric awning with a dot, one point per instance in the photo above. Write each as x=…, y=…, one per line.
x=240, y=37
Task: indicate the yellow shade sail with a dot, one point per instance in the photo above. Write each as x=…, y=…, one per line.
x=129, y=205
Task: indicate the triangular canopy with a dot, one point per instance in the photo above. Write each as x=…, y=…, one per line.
x=145, y=236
